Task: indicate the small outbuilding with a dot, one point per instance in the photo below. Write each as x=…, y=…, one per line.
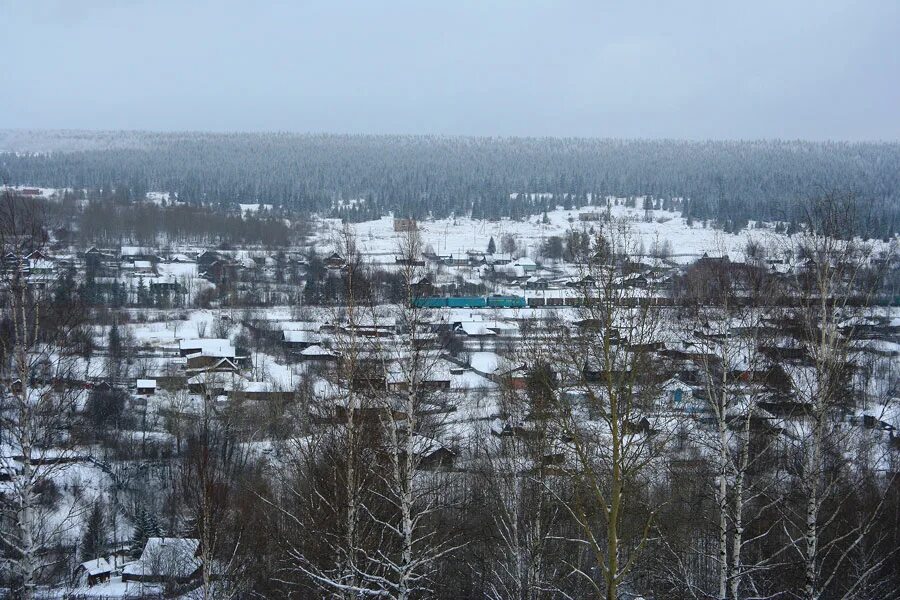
x=146, y=387
x=93, y=572
x=334, y=261
x=165, y=560
x=299, y=340
x=318, y=353
x=432, y=455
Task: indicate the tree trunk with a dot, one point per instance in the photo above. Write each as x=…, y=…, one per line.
x=722, y=499
x=812, y=515
x=612, y=528
x=738, y=513
x=27, y=565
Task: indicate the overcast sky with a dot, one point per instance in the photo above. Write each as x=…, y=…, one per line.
x=795, y=69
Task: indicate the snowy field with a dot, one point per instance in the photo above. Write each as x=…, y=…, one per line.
x=454, y=236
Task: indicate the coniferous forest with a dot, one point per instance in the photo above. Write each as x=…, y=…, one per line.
x=728, y=182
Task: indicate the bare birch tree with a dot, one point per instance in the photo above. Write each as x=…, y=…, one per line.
x=412, y=409
x=37, y=402
x=521, y=481
x=731, y=308
x=611, y=417
x=833, y=285
x=322, y=501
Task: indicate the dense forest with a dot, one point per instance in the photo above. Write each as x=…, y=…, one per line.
x=728, y=182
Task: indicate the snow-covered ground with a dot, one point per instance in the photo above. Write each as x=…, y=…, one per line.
x=38, y=192
x=454, y=236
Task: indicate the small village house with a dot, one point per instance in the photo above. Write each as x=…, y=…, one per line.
x=165, y=560
x=93, y=572
x=146, y=387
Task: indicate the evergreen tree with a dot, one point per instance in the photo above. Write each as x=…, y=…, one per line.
x=492, y=247
x=115, y=341
x=114, y=352
x=139, y=535
x=145, y=527
x=143, y=295
x=93, y=544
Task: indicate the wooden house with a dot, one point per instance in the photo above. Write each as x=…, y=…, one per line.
x=423, y=287
x=299, y=340
x=146, y=387
x=431, y=454
x=207, y=258
x=210, y=346
x=334, y=261
x=165, y=561
x=211, y=364
x=93, y=572
x=318, y=353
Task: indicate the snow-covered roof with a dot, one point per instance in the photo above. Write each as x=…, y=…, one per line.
x=317, y=351
x=40, y=263
x=146, y=383
x=135, y=251
x=484, y=362
x=674, y=383
x=300, y=337
x=209, y=347
x=235, y=383
x=375, y=322
x=457, y=315
x=425, y=446
x=222, y=363
x=166, y=557
x=96, y=566
x=476, y=329
x=502, y=326
x=470, y=380
x=225, y=381
x=161, y=279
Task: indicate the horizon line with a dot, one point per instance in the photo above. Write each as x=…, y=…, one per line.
x=310, y=133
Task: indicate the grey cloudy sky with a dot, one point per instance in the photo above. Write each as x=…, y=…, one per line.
x=788, y=69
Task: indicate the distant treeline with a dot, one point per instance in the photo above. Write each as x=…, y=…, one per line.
x=148, y=224
x=726, y=182
x=111, y=220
